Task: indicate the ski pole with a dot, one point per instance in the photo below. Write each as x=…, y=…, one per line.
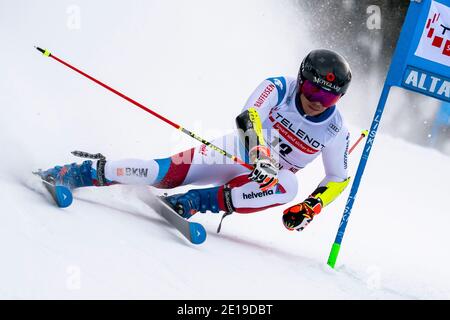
x=157, y=115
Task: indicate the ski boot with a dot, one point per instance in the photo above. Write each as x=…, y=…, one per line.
x=193, y=201
x=77, y=175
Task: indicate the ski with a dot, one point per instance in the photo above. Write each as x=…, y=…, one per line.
x=60, y=194
x=192, y=231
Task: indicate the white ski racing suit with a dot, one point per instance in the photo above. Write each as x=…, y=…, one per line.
x=294, y=138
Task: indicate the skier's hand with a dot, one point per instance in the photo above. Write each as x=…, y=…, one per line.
x=265, y=171
x=299, y=216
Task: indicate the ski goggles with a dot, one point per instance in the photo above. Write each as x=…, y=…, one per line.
x=316, y=94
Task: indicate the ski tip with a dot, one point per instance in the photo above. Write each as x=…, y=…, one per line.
x=63, y=196
x=198, y=233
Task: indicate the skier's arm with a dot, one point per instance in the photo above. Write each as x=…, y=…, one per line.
x=267, y=95
x=334, y=158
x=336, y=180
x=270, y=93
x=250, y=129
x=265, y=170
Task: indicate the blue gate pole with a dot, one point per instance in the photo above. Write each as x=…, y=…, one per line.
x=362, y=165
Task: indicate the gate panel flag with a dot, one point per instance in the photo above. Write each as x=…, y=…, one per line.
x=421, y=63
x=421, y=60
x=435, y=42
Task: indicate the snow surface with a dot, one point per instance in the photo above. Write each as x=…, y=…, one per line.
x=195, y=62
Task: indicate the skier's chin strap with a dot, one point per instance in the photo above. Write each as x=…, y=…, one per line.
x=101, y=162
x=330, y=191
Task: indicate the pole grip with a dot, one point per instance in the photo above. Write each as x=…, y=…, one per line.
x=45, y=52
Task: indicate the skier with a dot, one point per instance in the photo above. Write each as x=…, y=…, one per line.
x=285, y=124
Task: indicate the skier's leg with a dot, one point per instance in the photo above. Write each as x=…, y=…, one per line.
x=156, y=172
x=238, y=195
x=248, y=198
x=194, y=166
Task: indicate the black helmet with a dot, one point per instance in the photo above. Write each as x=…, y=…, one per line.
x=326, y=69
